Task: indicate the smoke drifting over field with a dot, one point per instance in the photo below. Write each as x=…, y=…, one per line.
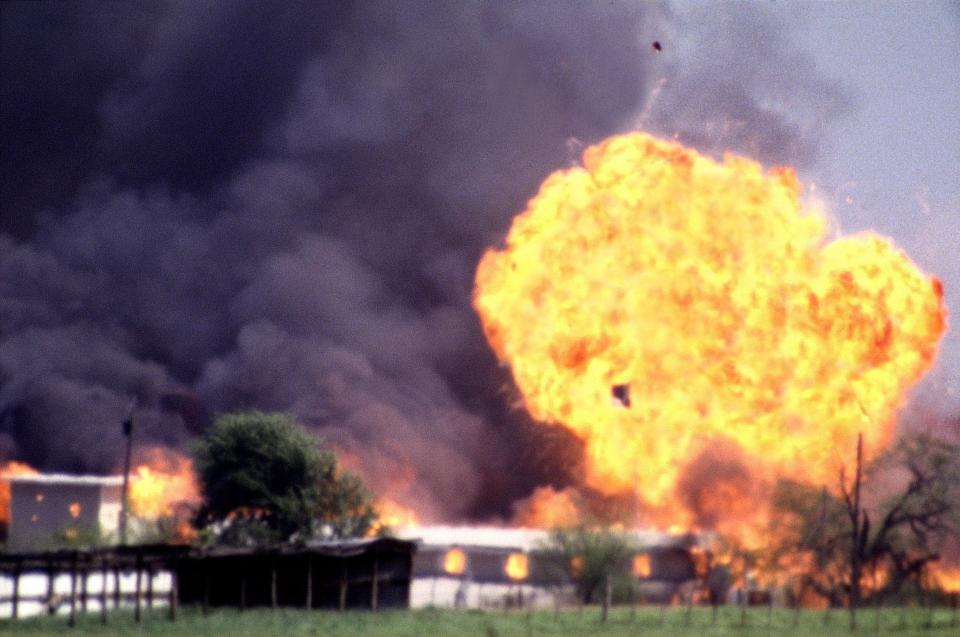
x=212, y=206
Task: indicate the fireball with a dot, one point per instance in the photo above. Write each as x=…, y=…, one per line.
x=677, y=313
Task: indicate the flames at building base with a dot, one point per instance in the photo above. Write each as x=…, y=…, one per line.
x=691, y=323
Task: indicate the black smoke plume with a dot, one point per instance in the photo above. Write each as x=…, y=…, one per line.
x=211, y=206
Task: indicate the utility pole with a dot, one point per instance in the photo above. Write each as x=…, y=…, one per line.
x=124, y=497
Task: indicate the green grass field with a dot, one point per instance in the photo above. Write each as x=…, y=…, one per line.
x=647, y=621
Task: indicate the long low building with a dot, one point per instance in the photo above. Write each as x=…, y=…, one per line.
x=477, y=567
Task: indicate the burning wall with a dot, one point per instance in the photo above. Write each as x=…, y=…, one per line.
x=43, y=506
x=484, y=566
x=692, y=323
x=162, y=487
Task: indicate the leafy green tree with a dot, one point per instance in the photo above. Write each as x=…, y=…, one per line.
x=265, y=479
x=598, y=559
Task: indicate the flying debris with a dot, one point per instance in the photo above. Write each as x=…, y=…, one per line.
x=656, y=46
x=621, y=393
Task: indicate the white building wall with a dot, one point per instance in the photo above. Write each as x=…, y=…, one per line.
x=39, y=512
x=45, y=506
x=110, y=504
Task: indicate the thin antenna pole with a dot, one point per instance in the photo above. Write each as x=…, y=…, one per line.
x=124, y=497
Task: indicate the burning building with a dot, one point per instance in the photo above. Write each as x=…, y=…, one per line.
x=44, y=507
x=477, y=567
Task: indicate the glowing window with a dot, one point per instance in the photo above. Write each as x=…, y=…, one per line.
x=455, y=562
x=576, y=566
x=641, y=565
x=517, y=566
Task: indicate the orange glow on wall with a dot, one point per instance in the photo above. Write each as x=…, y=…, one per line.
x=517, y=566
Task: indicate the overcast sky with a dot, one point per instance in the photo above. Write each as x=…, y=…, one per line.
x=281, y=204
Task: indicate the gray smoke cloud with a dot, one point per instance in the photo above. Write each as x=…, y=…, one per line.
x=215, y=206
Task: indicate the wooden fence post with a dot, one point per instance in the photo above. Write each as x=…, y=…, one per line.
x=51, y=606
x=16, y=590
x=243, y=591
x=205, y=567
x=310, y=581
x=374, y=591
x=73, y=590
x=343, y=584
x=116, y=585
x=273, y=582
x=105, y=575
x=174, y=591
x=137, y=589
x=83, y=589
x=150, y=586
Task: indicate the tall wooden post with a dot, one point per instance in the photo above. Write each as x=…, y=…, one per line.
x=104, y=578
x=124, y=496
x=374, y=586
x=343, y=584
x=856, y=530
x=83, y=589
x=137, y=590
x=116, y=586
x=73, y=590
x=273, y=583
x=174, y=591
x=205, y=567
x=16, y=591
x=243, y=592
x=51, y=576
x=150, y=586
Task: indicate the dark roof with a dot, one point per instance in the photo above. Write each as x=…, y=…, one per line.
x=166, y=553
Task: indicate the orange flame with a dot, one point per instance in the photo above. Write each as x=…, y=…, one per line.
x=546, y=508
x=12, y=468
x=455, y=562
x=947, y=577
x=162, y=483
x=392, y=514
x=658, y=304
